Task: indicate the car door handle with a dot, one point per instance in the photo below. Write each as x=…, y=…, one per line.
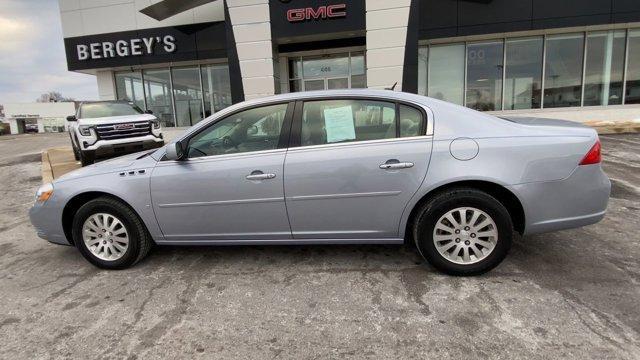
x=395, y=164
x=259, y=175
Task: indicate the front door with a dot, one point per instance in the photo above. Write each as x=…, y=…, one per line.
x=358, y=165
x=231, y=185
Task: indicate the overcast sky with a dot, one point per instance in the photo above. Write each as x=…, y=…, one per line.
x=32, y=59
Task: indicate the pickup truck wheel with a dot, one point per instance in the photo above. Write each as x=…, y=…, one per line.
x=109, y=234
x=463, y=232
x=76, y=151
x=87, y=158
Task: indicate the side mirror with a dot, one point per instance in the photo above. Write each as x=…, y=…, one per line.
x=72, y=118
x=175, y=151
x=148, y=112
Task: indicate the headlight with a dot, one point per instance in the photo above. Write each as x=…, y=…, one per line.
x=44, y=192
x=84, y=130
x=156, y=124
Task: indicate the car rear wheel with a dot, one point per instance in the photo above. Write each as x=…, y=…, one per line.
x=109, y=234
x=463, y=232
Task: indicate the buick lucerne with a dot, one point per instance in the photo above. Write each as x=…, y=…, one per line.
x=336, y=167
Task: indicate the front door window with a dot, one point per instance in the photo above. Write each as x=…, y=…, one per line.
x=250, y=130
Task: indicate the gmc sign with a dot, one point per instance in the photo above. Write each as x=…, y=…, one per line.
x=322, y=12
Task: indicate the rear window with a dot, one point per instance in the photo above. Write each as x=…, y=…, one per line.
x=98, y=110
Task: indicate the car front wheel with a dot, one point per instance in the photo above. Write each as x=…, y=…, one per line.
x=109, y=234
x=463, y=232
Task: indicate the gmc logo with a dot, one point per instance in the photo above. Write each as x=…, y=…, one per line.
x=322, y=12
x=122, y=126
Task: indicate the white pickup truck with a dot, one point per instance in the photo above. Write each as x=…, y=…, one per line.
x=112, y=128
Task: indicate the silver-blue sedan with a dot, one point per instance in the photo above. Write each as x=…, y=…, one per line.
x=336, y=167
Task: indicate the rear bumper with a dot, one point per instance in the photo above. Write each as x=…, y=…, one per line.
x=579, y=200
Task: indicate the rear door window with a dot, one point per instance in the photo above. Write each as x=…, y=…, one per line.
x=336, y=121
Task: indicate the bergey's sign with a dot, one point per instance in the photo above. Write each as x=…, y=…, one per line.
x=190, y=42
x=124, y=48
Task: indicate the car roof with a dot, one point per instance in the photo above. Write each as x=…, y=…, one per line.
x=106, y=102
x=390, y=94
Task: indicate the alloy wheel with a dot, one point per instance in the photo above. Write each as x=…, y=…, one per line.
x=465, y=235
x=105, y=236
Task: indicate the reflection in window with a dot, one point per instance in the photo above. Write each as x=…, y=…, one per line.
x=157, y=84
x=523, y=73
x=633, y=68
x=217, y=88
x=446, y=73
x=255, y=129
x=563, y=70
x=129, y=87
x=187, y=95
x=603, y=72
x=484, y=76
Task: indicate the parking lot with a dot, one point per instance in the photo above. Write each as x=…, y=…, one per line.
x=571, y=294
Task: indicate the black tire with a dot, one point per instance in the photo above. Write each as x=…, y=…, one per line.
x=87, y=158
x=140, y=241
x=444, y=202
x=76, y=151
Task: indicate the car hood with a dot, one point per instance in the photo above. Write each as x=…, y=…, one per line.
x=108, y=166
x=116, y=119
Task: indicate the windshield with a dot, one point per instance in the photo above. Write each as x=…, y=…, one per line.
x=98, y=110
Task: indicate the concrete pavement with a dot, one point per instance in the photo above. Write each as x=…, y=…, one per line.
x=571, y=294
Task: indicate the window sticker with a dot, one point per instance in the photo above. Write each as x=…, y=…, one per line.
x=339, y=125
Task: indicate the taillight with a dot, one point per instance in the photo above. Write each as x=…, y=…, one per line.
x=594, y=155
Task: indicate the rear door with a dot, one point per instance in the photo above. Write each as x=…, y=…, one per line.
x=352, y=167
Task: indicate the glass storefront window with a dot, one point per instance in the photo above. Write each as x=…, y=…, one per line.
x=157, y=84
x=523, y=73
x=217, y=88
x=632, y=93
x=129, y=87
x=484, y=76
x=551, y=71
x=603, y=71
x=446, y=73
x=187, y=95
x=358, y=76
x=423, y=62
x=563, y=70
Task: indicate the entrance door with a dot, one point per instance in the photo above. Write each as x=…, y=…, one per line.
x=326, y=72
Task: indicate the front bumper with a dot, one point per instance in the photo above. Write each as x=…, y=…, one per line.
x=579, y=200
x=45, y=218
x=103, y=148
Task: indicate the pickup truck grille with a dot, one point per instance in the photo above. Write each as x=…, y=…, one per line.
x=123, y=130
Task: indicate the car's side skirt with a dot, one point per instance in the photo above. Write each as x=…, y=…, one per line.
x=283, y=242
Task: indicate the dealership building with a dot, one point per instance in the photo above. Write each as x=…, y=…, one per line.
x=185, y=60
